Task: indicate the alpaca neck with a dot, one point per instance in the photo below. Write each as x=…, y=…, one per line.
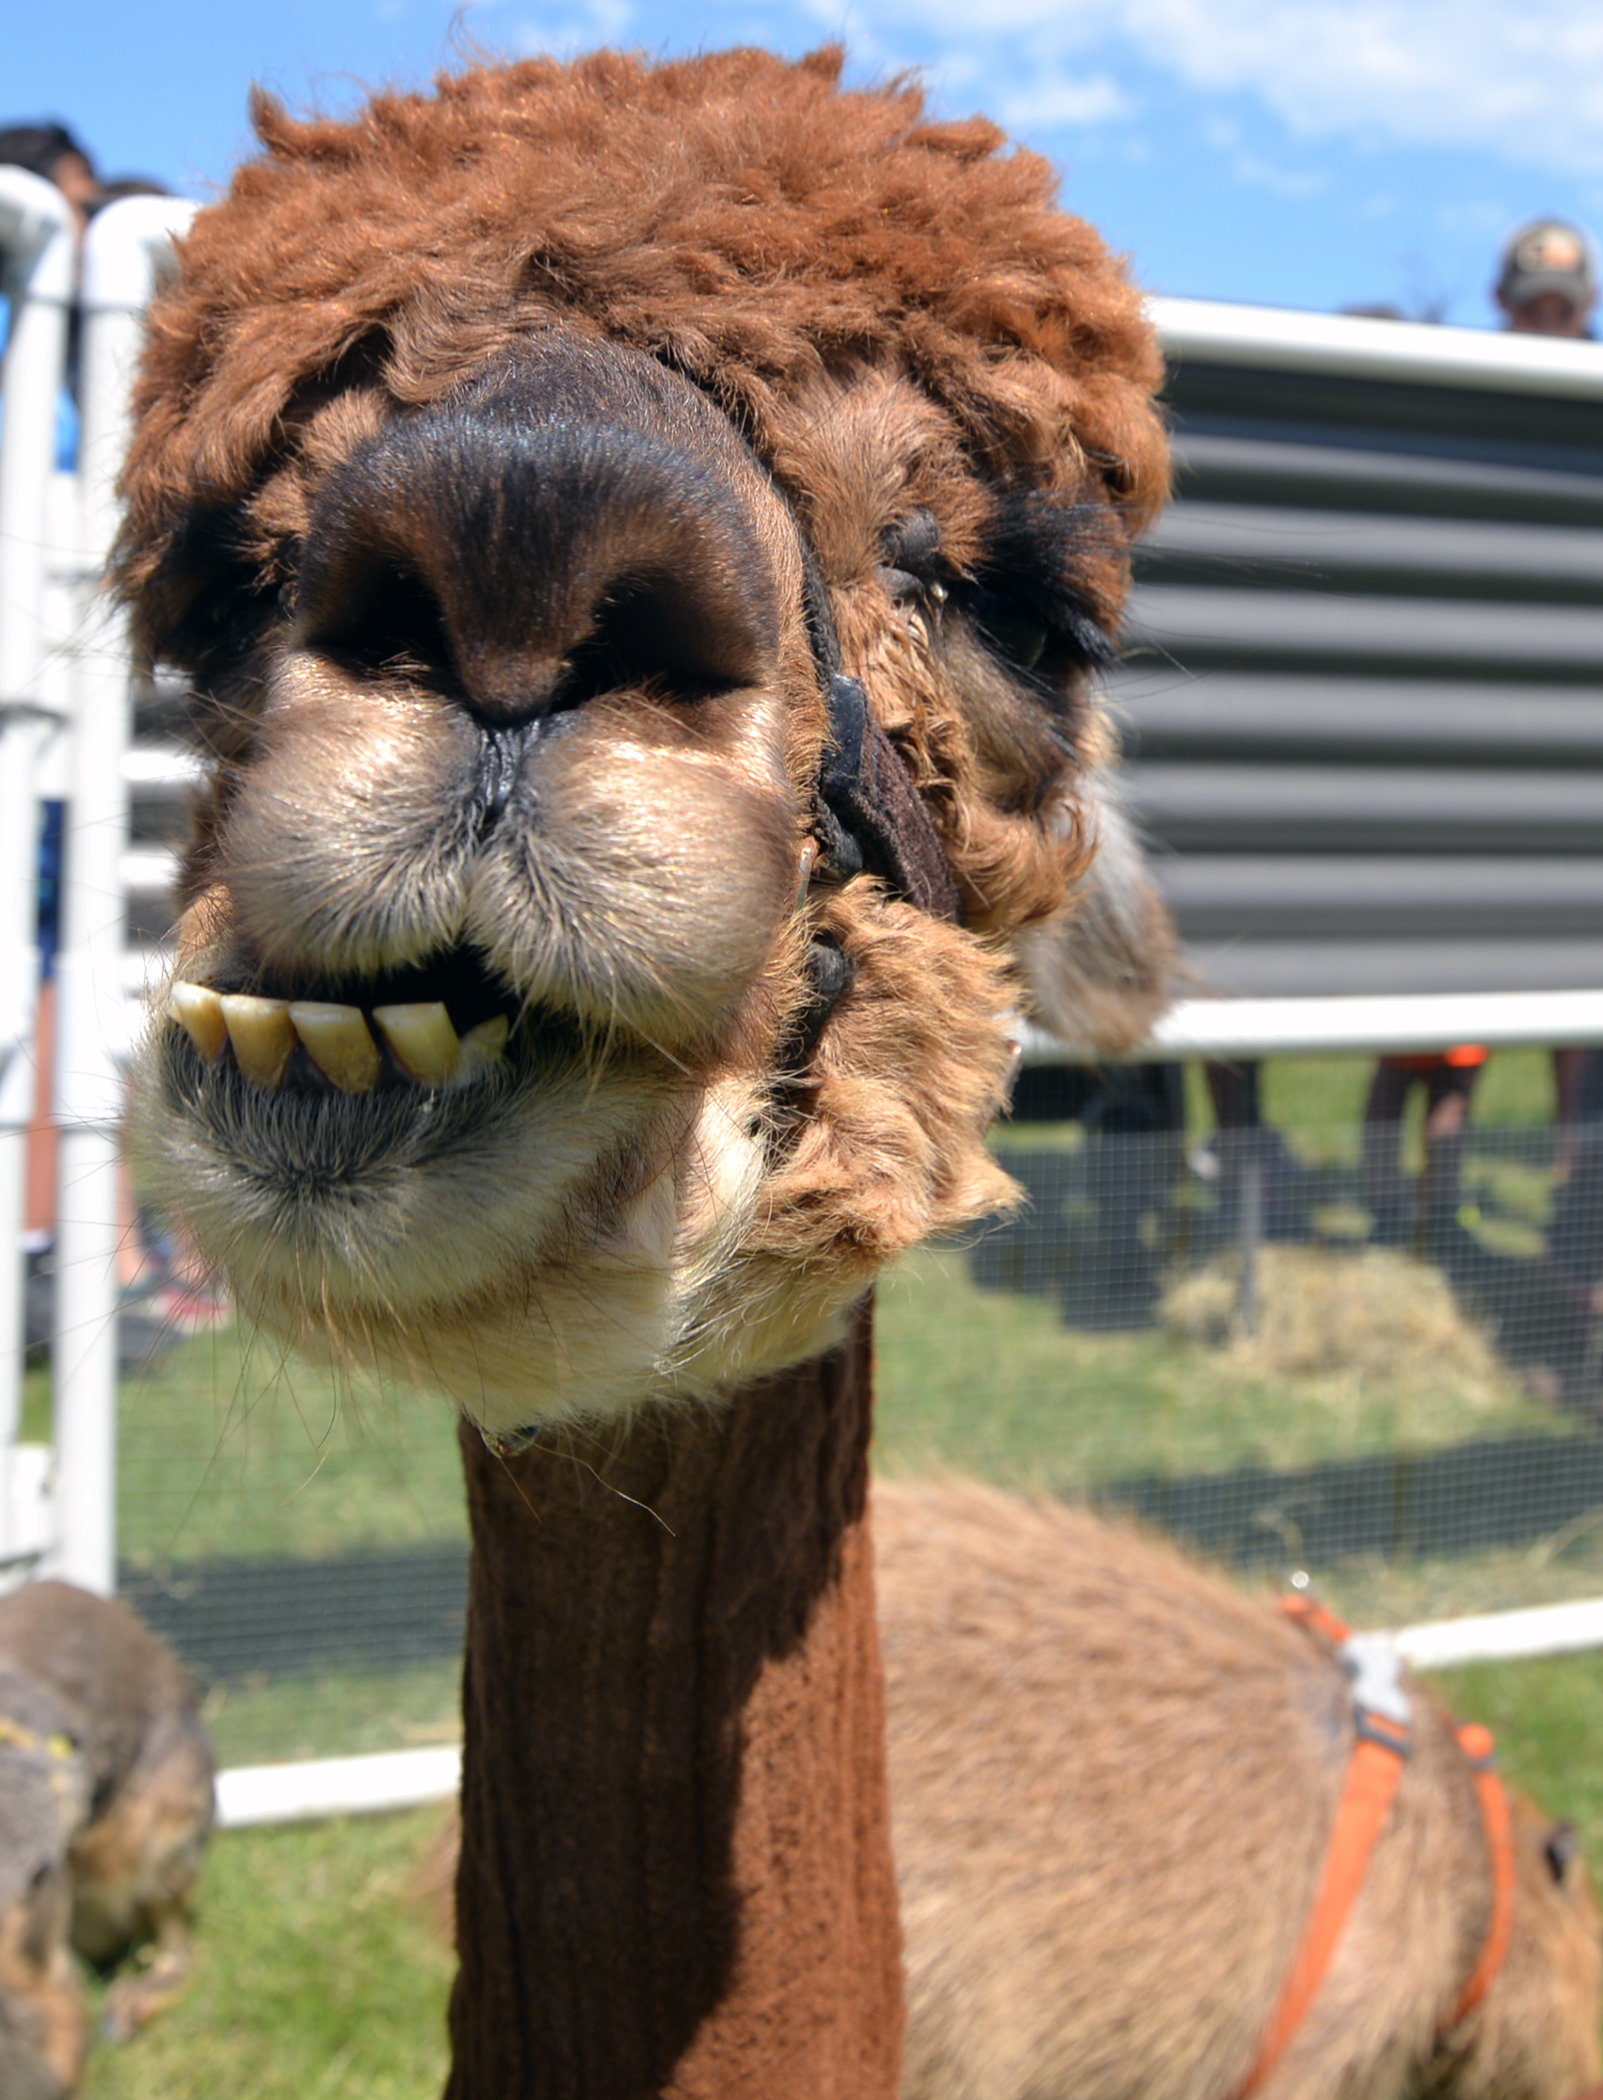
x=676, y=1874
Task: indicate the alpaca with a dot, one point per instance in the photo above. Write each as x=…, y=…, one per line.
x=105, y=1810
x=641, y=539
x=1114, y=1780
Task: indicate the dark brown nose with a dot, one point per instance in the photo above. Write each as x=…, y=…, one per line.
x=562, y=528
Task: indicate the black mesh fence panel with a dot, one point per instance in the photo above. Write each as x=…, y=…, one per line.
x=1372, y=1354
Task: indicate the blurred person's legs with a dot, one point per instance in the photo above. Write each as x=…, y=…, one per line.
x=1447, y=1096
x=1385, y=1186
x=1577, y=1100
x=1135, y=1154
x=1449, y=1081
x=1575, y=1238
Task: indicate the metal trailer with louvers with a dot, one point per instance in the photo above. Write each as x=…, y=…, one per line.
x=1362, y=698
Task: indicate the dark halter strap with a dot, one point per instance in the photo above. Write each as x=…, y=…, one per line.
x=871, y=818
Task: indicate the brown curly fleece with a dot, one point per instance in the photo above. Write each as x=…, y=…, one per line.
x=742, y=218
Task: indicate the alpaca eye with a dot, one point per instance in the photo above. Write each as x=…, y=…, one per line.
x=913, y=545
x=1015, y=630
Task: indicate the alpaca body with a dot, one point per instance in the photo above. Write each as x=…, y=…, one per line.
x=107, y=1807
x=1115, y=1779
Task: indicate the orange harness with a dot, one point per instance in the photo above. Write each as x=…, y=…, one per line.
x=1385, y=1736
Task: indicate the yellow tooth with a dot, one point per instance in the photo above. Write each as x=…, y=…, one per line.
x=340, y=1045
x=482, y=1047
x=262, y=1036
x=423, y=1040
x=199, y=1013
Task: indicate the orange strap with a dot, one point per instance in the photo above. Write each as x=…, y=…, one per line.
x=1319, y=1618
x=1477, y=1745
x=1374, y=1773
x=1462, y=1056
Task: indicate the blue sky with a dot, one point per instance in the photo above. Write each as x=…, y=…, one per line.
x=1300, y=152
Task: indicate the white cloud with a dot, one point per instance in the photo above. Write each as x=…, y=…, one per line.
x=1254, y=172
x=1522, y=79
x=1063, y=98
x=592, y=22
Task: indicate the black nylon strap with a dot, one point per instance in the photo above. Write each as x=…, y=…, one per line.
x=883, y=822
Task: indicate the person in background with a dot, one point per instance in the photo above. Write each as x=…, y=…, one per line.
x=1547, y=280
x=1547, y=284
x=1285, y=1187
x=1431, y=1224
x=49, y=149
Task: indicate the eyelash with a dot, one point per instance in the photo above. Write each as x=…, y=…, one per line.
x=1039, y=642
x=1020, y=608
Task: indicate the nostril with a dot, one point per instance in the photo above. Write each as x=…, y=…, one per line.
x=500, y=762
x=381, y=616
x=684, y=642
x=662, y=630
x=550, y=536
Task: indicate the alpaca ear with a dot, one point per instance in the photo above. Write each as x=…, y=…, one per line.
x=1561, y=1848
x=1102, y=970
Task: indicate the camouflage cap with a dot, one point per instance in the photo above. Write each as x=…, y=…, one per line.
x=1548, y=255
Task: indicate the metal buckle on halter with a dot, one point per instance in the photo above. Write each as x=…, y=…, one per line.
x=1385, y=1713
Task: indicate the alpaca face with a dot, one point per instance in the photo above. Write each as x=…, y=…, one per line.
x=540, y=1030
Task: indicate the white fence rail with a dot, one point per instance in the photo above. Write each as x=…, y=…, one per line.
x=36, y=270
x=1231, y=1029
x=1346, y=346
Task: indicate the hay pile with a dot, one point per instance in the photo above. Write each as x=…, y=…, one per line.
x=1367, y=1315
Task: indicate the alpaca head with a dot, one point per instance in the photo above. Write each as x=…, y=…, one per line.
x=641, y=539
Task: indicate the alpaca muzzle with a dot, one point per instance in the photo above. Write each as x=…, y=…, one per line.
x=563, y=528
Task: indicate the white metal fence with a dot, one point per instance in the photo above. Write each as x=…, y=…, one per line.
x=53, y=546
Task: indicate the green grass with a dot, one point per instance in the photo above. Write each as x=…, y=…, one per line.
x=1319, y=1101
x=320, y=1975
x=1547, y=1715
x=338, y=1714
x=226, y=1449
x=996, y=1382
x=1307, y=1094
x=228, y=1446
x=1552, y=1570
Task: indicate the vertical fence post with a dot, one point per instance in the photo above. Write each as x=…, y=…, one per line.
x=1252, y=1178
x=122, y=250
x=37, y=253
